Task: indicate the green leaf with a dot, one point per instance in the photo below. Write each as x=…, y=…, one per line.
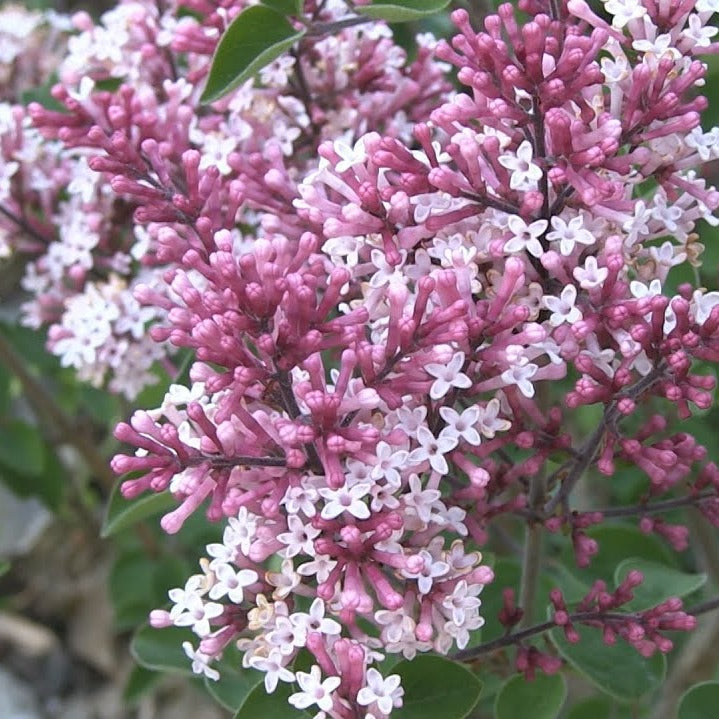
x=139, y=582
x=507, y=573
x=254, y=39
x=619, y=670
x=139, y=682
x=616, y=541
x=5, y=393
x=593, y=708
x=292, y=8
x=699, y=702
x=541, y=698
x=123, y=513
x=161, y=649
x=402, y=10
x=261, y=705
x=660, y=582
x=436, y=687
x=235, y=683
x=22, y=449
x=4, y=567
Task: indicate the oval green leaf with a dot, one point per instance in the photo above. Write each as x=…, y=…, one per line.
x=616, y=541
x=161, y=649
x=436, y=687
x=660, y=582
x=592, y=708
x=402, y=10
x=139, y=683
x=541, y=698
x=235, y=683
x=699, y=702
x=123, y=513
x=261, y=705
x=292, y=8
x=22, y=449
x=618, y=670
x=254, y=39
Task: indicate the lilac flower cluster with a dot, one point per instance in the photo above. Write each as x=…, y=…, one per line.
x=130, y=157
x=382, y=281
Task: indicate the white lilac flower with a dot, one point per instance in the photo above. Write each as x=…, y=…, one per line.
x=196, y=614
x=520, y=374
x=345, y=499
x=624, y=11
x=525, y=237
x=299, y=538
x=315, y=620
x=274, y=668
x=525, y=173
x=462, y=425
x=200, y=662
x=231, y=582
x=433, y=449
x=591, y=275
x=386, y=693
x=563, y=308
x=489, y=421
x=425, y=569
x=568, y=234
x=419, y=500
x=447, y=376
x=314, y=690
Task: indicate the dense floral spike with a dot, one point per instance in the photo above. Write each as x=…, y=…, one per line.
x=140, y=163
x=380, y=282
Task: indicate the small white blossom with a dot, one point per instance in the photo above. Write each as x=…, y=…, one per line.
x=562, y=307
x=624, y=11
x=489, y=421
x=462, y=425
x=197, y=614
x=315, y=620
x=568, y=234
x=349, y=156
x=386, y=693
x=420, y=500
x=345, y=499
x=299, y=538
x=314, y=691
x=525, y=237
x=704, y=303
x=433, y=449
x=520, y=374
x=591, y=275
x=525, y=174
x=274, y=669
x=231, y=582
x=200, y=662
x=425, y=569
x=448, y=376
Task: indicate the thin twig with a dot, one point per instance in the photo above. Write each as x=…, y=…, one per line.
x=589, y=450
x=467, y=655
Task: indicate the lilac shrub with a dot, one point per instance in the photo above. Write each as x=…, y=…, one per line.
x=387, y=286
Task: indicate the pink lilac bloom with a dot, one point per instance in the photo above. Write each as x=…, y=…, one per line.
x=410, y=285
x=117, y=174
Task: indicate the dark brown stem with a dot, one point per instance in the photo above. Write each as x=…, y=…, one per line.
x=24, y=225
x=290, y=404
x=589, y=450
x=468, y=655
